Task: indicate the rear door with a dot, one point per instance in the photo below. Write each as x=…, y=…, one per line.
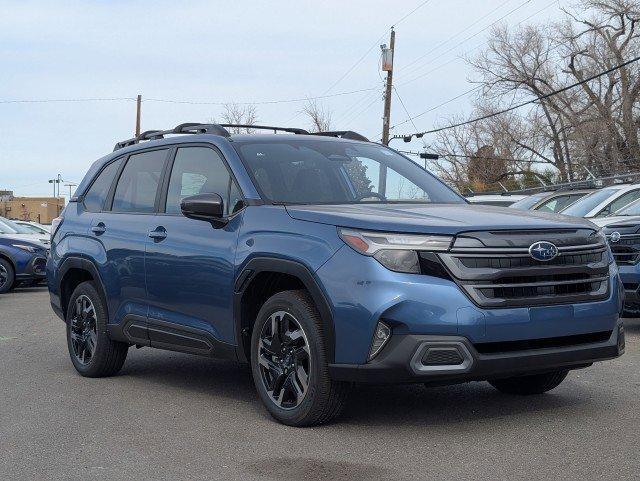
x=120, y=231
x=189, y=263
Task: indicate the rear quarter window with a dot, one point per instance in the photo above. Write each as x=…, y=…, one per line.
x=96, y=195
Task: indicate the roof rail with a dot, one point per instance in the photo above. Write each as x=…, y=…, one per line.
x=221, y=129
x=186, y=128
x=343, y=134
x=291, y=130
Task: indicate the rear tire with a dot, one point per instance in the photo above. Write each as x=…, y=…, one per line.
x=7, y=276
x=289, y=367
x=92, y=352
x=529, y=385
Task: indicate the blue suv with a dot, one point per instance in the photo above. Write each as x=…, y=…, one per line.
x=21, y=261
x=322, y=260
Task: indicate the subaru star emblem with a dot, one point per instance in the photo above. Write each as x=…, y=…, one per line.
x=543, y=251
x=615, y=237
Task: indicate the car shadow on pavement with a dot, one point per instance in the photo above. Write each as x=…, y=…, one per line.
x=367, y=404
x=447, y=405
x=197, y=374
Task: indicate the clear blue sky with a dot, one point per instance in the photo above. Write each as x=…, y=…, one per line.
x=220, y=51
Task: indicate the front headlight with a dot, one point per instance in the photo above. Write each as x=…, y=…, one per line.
x=26, y=248
x=397, y=252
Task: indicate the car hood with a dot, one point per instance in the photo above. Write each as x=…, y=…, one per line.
x=35, y=238
x=618, y=219
x=432, y=218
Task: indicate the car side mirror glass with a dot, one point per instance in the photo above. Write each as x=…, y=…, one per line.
x=208, y=207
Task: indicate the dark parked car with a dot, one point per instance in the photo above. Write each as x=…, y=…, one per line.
x=21, y=261
x=322, y=260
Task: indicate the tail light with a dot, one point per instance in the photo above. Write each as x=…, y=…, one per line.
x=55, y=225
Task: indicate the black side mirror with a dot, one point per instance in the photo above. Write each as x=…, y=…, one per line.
x=209, y=207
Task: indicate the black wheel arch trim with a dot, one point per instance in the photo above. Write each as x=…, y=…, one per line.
x=283, y=266
x=82, y=263
x=6, y=254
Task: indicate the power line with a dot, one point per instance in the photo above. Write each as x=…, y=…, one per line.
x=406, y=111
x=472, y=36
x=429, y=72
x=42, y=101
x=514, y=107
x=444, y=42
x=375, y=44
x=456, y=58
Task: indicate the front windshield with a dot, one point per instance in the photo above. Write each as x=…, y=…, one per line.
x=631, y=209
x=6, y=228
x=585, y=205
x=33, y=229
x=337, y=172
x=528, y=202
x=20, y=229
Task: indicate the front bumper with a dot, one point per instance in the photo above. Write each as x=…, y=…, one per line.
x=401, y=361
x=35, y=269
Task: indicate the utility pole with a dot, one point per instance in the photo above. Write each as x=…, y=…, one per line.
x=138, y=108
x=387, y=64
x=70, y=185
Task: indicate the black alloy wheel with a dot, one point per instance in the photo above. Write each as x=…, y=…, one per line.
x=285, y=360
x=84, y=333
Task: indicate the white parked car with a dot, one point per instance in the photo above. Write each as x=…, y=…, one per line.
x=628, y=214
x=10, y=228
x=34, y=226
x=502, y=200
x=604, y=202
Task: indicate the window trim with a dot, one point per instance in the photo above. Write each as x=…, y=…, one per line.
x=81, y=198
x=108, y=207
x=164, y=190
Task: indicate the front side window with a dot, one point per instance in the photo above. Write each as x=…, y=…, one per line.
x=97, y=193
x=619, y=203
x=138, y=183
x=335, y=171
x=200, y=170
x=589, y=202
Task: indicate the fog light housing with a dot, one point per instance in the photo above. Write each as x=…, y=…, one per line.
x=380, y=337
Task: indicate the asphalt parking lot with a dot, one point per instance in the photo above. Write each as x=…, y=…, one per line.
x=176, y=416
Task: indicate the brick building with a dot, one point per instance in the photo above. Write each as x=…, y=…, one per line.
x=37, y=209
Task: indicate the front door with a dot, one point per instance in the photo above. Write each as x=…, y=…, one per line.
x=189, y=263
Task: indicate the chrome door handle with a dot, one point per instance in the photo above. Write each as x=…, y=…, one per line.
x=99, y=229
x=158, y=234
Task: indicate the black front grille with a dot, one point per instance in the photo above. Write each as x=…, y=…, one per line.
x=498, y=273
x=626, y=251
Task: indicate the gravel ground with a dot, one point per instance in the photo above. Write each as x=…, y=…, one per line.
x=176, y=416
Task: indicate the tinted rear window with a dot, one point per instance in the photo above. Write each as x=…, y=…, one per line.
x=97, y=193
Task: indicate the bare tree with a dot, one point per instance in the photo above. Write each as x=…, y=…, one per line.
x=319, y=116
x=237, y=114
x=593, y=127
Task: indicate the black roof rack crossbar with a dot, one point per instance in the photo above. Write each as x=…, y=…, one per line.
x=291, y=130
x=186, y=128
x=343, y=134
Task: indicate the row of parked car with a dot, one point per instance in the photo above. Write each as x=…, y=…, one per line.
x=616, y=209
x=24, y=247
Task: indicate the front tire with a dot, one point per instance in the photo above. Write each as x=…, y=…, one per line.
x=528, y=385
x=92, y=352
x=7, y=276
x=289, y=362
